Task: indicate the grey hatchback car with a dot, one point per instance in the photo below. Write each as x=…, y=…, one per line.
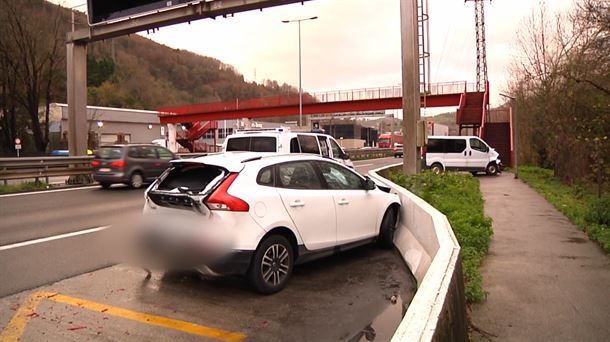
x=133, y=164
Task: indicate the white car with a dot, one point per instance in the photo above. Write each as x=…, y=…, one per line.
x=283, y=140
x=265, y=212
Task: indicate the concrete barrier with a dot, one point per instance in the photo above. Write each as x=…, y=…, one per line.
x=428, y=246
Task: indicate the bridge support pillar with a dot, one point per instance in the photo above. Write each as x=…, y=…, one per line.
x=77, y=98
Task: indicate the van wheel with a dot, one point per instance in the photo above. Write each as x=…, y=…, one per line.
x=436, y=168
x=136, y=180
x=387, y=229
x=491, y=169
x=272, y=265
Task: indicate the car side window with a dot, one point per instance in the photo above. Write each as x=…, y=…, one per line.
x=455, y=145
x=265, y=176
x=339, y=178
x=148, y=152
x=263, y=144
x=309, y=144
x=164, y=154
x=478, y=145
x=298, y=175
x=294, y=146
x=323, y=146
x=337, y=151
x=435, y=146
x=133, y=152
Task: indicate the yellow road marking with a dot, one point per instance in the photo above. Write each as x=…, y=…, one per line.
x=16, y=326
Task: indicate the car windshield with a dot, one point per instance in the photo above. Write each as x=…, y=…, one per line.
x=110, y=152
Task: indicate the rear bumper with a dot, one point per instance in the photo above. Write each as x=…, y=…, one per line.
x=110, y=177
x=236, y=263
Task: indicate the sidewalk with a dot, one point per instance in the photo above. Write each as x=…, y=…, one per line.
x=546, y=281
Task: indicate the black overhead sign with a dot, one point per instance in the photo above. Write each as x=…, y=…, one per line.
x=104, y=10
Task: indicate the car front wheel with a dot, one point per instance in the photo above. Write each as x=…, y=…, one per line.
x=492, y=169
x=272, y=265
x=387, y=228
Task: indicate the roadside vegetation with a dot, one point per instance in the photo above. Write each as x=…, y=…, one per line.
x=29, y=186
x=579, y=203
x=458, y=197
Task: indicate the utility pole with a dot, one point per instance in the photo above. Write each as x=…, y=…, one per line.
x=410, y=85
x=479, y=18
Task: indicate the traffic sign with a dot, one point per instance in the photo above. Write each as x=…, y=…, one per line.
x=17, y=146
x=17, y=141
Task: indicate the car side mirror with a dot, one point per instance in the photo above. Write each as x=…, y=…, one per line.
x=369, y=184
x=345, y=156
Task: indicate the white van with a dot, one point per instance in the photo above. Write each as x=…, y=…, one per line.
x=462, y=153
x=283, y=140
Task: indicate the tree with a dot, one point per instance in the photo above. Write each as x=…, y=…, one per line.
x=31, y=63
x=562, y=86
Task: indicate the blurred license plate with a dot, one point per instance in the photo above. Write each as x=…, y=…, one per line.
x=104, y=169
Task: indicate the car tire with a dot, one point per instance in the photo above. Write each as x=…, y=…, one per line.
x=136, y=180
x=388, y=228
x=437, y=168
x=272, y=265
x=491, y=169
x=105, y=185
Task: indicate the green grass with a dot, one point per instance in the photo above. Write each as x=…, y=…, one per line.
x=577, y=202
x=458, y=196
x=29, y=186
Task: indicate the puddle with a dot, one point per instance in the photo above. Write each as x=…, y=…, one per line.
x=575, y=240
x=383, y=326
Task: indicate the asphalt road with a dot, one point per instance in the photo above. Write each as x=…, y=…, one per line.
x=27, y=263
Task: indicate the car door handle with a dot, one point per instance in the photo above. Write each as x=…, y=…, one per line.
x=297, y=203
x=343, y=201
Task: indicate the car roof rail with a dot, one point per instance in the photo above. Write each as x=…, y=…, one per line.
x=256, y=130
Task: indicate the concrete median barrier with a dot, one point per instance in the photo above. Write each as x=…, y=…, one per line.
x=427, y=244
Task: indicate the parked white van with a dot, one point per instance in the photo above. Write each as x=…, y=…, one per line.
x=461, y=153
x=283, y=140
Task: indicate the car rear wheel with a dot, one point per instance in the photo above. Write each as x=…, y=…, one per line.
x=492, y=169
x=436, y=168
x=387, y=228
x=272, y=265
x=136, y=180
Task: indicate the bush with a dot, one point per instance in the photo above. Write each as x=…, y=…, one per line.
x=599, y=211
x=28, y=186
x=458, y=197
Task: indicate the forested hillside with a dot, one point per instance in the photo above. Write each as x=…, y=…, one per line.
x=128, y=72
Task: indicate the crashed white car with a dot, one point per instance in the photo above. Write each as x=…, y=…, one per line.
x=258, y=214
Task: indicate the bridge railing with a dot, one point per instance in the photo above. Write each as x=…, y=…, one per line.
x=389, y=92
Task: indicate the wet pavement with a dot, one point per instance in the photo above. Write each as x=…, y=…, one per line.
x=360, y=295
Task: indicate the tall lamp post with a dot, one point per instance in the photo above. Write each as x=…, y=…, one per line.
x=300, y=87
x=512, y=98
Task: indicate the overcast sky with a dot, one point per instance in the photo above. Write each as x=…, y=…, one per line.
x=354, y=43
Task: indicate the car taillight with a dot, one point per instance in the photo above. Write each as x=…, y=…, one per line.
x=95, y=163
x=118, y=163
x=221, y=200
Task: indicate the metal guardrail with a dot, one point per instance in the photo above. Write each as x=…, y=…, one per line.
x=43, y=167
x=38, y=168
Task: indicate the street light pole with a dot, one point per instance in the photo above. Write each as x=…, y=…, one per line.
x=300, y=83
x=515, y=137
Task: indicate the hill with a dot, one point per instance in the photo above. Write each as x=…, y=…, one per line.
x=127, y=72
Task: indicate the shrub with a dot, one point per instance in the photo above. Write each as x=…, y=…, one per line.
x=457, y=196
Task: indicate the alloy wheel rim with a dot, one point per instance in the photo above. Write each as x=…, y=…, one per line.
x=275, y=264
x=136, y=181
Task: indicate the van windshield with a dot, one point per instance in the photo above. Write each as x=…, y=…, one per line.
x=252, y=144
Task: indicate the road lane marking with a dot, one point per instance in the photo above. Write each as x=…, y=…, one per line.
x=50, y=191
x=14, y=330
x=51, y=238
